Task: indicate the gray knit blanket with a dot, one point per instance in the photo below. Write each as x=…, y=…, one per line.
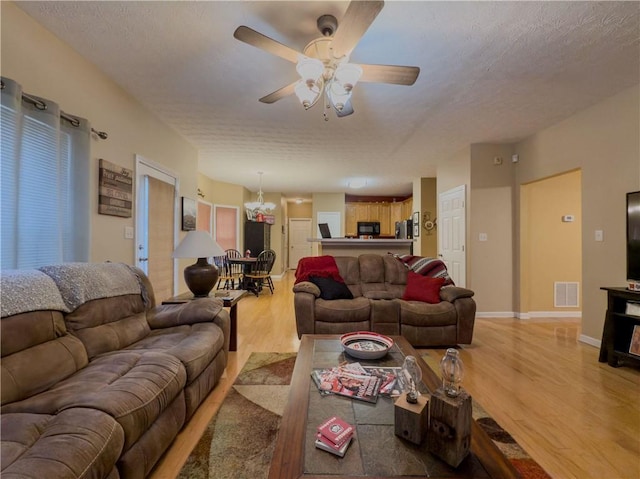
x=82, y=282
x=28, y=290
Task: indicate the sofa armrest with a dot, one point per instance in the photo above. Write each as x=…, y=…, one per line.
x=306, y=287
x=451, y=293
x=199, y=310
x=304, y=305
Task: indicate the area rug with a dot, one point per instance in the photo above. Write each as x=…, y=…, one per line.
x=239, y=441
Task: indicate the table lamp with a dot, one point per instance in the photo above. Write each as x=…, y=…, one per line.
x=201, y=276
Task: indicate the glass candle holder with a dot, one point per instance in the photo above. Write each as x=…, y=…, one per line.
x=413, y=376
x=452, y=372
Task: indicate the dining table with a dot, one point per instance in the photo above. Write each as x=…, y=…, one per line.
x=247, y=263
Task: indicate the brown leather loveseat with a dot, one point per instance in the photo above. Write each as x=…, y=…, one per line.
x=96, y=379
x=377, y=284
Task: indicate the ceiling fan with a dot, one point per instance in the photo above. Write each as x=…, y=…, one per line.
x=323, y=65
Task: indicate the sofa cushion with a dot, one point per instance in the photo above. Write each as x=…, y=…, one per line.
x=131, y=386
x=343, y=310
x=109, y=324
x=422, y=288
x=194, y=345
x=421, y=314
x=331, y=289
x=379, y=295
x=76, y=443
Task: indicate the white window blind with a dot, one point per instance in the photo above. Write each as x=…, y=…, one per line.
x=45, y=184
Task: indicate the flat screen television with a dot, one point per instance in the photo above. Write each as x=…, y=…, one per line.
x=633, y=240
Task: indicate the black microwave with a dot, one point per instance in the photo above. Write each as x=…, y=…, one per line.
x=368, y=228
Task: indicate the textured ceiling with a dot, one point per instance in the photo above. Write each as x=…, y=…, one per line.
x=490, y=72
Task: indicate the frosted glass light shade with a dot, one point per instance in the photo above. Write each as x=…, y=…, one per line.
x=309, y=69
x=307, y=96
x=348, y=74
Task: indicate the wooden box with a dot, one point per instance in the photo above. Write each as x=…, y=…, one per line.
x=449, y=436
x=411, y=420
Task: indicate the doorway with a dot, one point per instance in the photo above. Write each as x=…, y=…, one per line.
x=452, y=230
x=299, y=247
x=551, y=246
x=156, y=194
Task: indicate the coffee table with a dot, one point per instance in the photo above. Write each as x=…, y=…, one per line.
x=376, y=450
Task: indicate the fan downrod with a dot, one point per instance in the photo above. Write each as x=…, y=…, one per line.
x=327, y=24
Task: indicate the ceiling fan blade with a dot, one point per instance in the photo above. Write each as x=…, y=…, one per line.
x=396, y=74
x=357, y=19
x=347, y=110
x=258, y=40
x=278, y=94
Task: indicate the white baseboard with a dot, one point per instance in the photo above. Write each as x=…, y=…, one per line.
x=529, y=315
x=590, y=341
x=277, y=277
x=497, y=314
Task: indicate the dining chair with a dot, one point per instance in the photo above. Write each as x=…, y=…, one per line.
x=230, y=273
x=261, y=272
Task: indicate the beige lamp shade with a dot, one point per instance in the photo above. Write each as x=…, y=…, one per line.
x=201, y=276
x=198, y=244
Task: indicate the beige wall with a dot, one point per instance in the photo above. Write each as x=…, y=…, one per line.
x=302, y=210
x=552, y=249
x=427, y=244
x=46, y=67
x=490, y=212
x=604, y=143
x=326, y=202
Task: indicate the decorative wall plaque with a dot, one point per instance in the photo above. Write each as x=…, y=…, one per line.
x=116, y=190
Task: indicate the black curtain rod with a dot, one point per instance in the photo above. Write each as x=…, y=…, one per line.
x=41, y=105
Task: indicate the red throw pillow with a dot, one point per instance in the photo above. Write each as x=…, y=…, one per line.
x=422, y=288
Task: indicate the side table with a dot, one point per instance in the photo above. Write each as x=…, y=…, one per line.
x=229, y=299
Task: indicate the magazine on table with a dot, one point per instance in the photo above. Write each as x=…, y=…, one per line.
x=347, y=381
x=392, y=381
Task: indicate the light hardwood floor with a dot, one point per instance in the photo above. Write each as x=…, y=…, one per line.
x=577, y=417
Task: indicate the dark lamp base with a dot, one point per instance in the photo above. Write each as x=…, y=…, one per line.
x=201, y=277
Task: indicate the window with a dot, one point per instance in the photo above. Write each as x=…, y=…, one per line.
x=45, y=211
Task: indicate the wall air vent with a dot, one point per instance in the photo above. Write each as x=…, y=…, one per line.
x=565, y=294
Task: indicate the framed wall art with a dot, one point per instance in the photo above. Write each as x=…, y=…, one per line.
x=188, y=214
x=415, y=220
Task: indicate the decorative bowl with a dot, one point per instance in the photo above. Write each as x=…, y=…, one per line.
x=365, y=344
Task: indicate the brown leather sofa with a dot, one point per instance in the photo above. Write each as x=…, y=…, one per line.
x=378, y=283
x=96, y=379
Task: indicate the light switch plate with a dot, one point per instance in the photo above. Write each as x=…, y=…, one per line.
x=128, y=232
x=599, y=235
x=482, y=237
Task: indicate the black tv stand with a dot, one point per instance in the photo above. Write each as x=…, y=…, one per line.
x=618, y=328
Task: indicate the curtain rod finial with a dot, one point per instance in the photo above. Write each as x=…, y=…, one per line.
x=102, y=134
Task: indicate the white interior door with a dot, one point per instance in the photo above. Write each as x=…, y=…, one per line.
x=155, y=237
x=452, y=233
x=299, y=247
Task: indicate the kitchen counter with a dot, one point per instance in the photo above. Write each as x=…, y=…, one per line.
x=356, y=246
